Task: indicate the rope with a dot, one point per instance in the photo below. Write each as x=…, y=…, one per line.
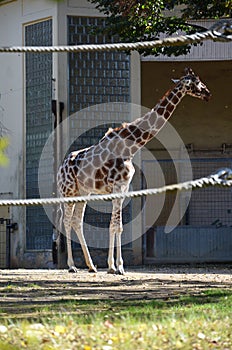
x=225, y=36
x=223, y=178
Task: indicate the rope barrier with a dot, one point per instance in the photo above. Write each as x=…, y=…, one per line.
x=213, y=34
x=223, y=178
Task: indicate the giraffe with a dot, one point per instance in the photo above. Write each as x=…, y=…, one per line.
x=106, y=167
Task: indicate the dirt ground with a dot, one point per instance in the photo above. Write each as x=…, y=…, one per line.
x=164, y=282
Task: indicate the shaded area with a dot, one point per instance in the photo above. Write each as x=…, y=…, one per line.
x=36, y=293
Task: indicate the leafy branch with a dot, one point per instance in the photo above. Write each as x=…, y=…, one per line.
x=144, y=20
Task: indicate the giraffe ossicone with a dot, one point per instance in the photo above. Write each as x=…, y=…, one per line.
x=107, y=167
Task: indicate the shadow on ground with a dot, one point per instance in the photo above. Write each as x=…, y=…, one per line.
x=32, y=293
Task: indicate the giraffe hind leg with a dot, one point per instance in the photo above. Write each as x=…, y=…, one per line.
x=116, y=229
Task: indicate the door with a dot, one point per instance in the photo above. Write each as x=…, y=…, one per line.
x=4, y=238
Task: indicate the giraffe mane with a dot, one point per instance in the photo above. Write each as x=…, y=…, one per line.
x=112, y=130
x=109, y=131
x=165, y=95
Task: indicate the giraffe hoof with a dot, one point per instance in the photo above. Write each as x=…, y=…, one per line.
x=120, y=271
x=93, y=269
x=111, y=271
x=73, y=269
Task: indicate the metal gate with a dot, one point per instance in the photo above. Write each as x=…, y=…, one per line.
x=205, y=232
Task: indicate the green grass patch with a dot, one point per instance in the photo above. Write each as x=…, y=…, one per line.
x=202, y=321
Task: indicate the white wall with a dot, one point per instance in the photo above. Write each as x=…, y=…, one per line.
x=11, y=101
x=13, y=16
x=11, y=92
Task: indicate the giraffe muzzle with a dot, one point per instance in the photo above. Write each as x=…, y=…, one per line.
x=207, y=96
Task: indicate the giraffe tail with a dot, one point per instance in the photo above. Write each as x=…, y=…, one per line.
x=57, y=237
x=60, y=217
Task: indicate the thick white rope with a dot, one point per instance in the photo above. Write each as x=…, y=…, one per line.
x=213, y=34
x=223, y=178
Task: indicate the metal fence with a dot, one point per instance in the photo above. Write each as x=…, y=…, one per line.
x=204, y=233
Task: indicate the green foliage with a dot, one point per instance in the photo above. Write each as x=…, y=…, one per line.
x=134, y=20
x=4, y=142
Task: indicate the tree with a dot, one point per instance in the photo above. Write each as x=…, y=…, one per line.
x=133, y=20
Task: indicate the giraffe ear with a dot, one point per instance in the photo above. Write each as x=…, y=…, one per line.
x=175, y=81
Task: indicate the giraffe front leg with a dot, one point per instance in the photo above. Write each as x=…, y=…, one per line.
x=119, y=260
x=77, y=224
x=68, y=213
x=116, y=229
x=111, y=266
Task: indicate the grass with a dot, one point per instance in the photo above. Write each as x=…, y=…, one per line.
x=202, y=321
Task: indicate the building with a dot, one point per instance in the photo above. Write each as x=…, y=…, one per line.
x=78, y=91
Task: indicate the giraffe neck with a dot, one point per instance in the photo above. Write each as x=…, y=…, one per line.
x=126, y=140
x=166, y=106
x=152, y=122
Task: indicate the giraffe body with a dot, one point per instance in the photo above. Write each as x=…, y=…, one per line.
x=107, y=167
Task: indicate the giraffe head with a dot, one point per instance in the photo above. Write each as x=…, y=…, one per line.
x=193, y=85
